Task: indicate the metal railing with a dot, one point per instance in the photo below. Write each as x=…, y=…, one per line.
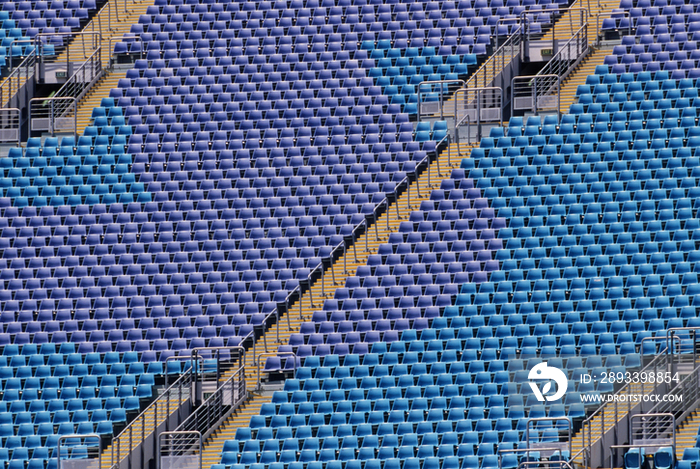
x=434, y=106
x=16, y=79
x=92, y=452
x=218, y=406
x=686, y=393
x=564, y=61
x=650, y=431
x=504, y=55
x=10, y=125
x=568, y=21
x=686, y=345
x=59, y=113
x=545, y=465
x=565, y=443
x=599, y=423
x=134, y=434
x=179, y=450
x=477, y=106
x=52, y=115
x=656, y=428
x=536, y=93
x=83, y=78
x=538, y=464
x=21, y=42
x=73, y=47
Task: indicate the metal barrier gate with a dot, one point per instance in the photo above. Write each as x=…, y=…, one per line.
x=427, y=104
x=180, y=450
x=86, y=453
x=476, y=107
x=10, y=125
x=654, y=428
x=53, y=115
x=536, y=93
x=218, y=405
x=548, y=448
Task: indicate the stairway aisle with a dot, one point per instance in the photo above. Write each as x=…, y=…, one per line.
x=112, y=22
x=563, y=27
x=602, y=423
x=687, y=433
x=325, y=288
x=81, y=48
x=568, y=23
x=578, y=77
x=141, y=428
x=227, y=431
x=93, y=97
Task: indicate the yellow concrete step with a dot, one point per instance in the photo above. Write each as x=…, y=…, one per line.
x=686, y=433
x=211, y=453
x=94, y=98
x=81, y=48
x=113, y=20
x=601, y=424
x=565, y=26
x=579, y=75
x=325, y=288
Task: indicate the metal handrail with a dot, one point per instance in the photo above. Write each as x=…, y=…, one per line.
x=569, y=53
x=504, y=54
x=196, y=356
x=548, y=419
x=527, y=451
x=19, y=75
x=186, y=379
x=78, y=436
x=673, y=333
x=545, y=464
x=442, y=83
x=182, y=447
x=42, y=39
x=656, y=422
x=90, y=68
x=586, y=429
x=689, y=386
x=58, y=108
x=477, y=97
x=14, y=41
x=180, y=388
x=212, y=410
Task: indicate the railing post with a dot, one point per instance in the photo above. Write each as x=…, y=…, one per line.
x=332, y=270
x=376, y=229
x=408, y=194
x=387, y=213
x=367, y=235
x=354, y=245
x=131, y=443
x=428, y=169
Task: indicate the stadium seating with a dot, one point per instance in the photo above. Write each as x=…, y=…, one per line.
x=50, y=390
x=252, y=139
x=22, y=21
x=594, y=249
